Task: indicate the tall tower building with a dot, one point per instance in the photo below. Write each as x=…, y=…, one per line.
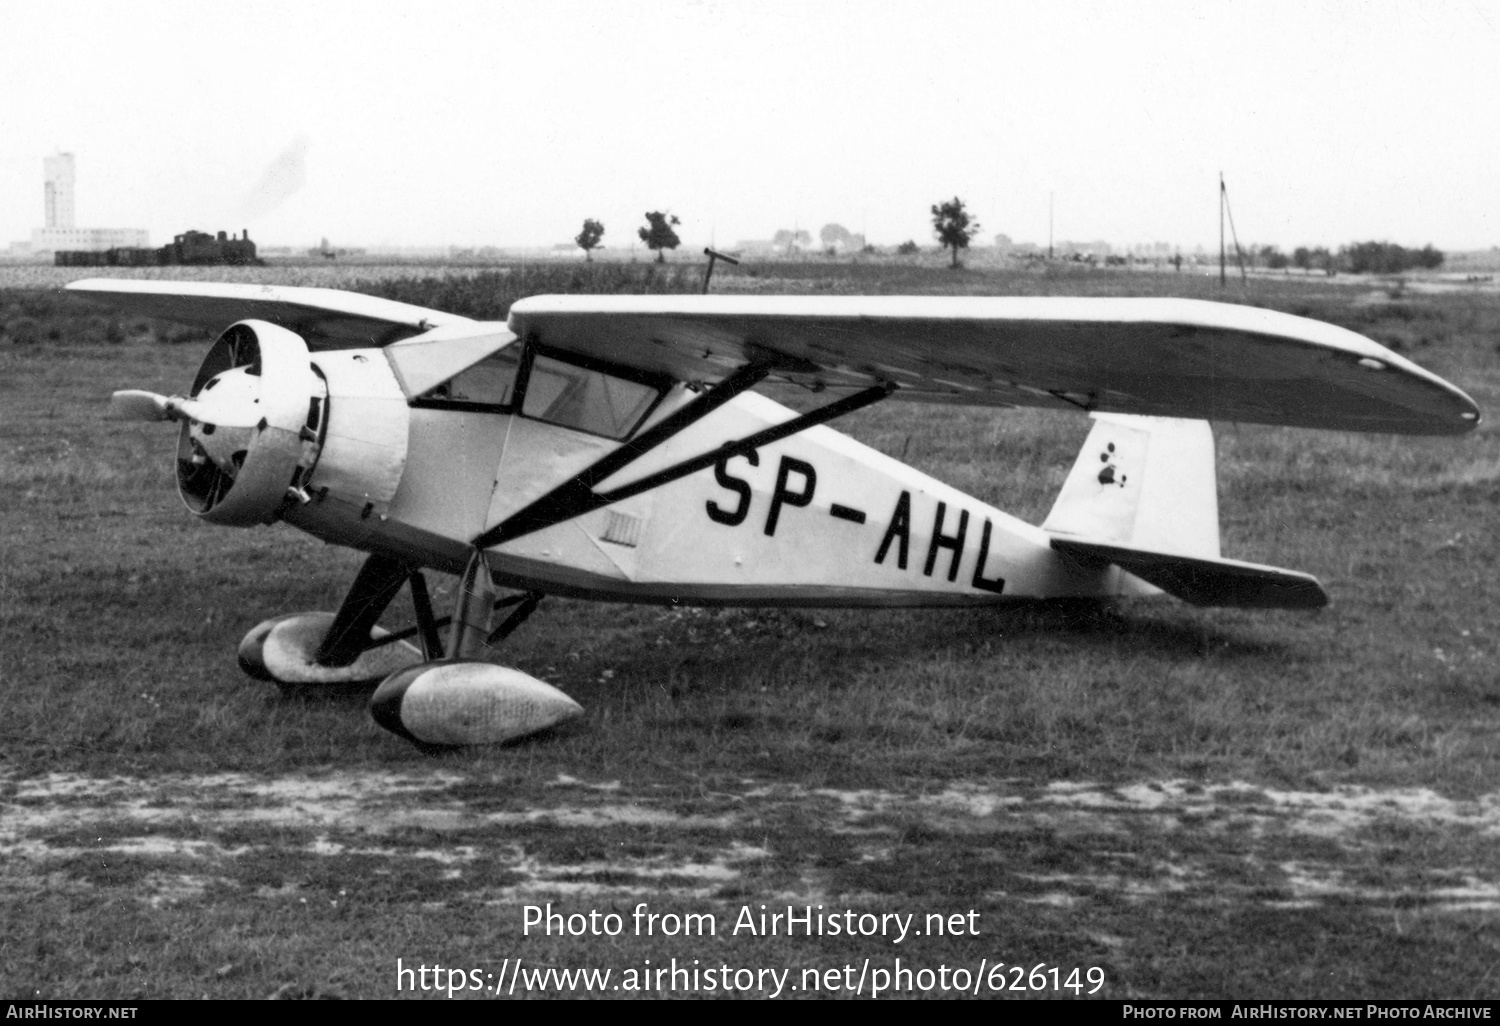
x=59, y=189
x=60, y=233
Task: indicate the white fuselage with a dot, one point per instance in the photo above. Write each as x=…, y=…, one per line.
x=814, y=519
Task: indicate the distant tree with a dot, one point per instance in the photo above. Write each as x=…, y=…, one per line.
x=1272, y=257
x=1387, y=258
x=1428, y=257
x=953, y=226
x=908, y=248
x=835, y=238
x=588, y=239
x=1317, y=259
x=658, y=233
x=1367, y=258
x=791, y=241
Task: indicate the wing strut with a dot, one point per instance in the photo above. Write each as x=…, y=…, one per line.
x=577, y=496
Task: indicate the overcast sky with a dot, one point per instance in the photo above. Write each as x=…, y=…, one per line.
x=508, y=123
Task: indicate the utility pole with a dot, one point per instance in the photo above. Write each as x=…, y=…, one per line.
x=1239, y=254
x=1222, y=198
x=1049, y=224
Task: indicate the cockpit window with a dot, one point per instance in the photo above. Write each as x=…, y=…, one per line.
x=489, y=384
x=556, y=391
x=585, y=399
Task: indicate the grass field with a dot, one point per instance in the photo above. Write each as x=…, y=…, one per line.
x=1197, y=803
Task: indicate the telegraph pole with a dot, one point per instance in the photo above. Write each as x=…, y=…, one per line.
x=1049, y=224
x=1239, y=254
x=1222, y=199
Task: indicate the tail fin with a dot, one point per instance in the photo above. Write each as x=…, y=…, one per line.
x=1144, y=483
x=1144, y=496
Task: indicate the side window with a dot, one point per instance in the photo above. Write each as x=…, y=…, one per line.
x=489, y=383
x=588, y=400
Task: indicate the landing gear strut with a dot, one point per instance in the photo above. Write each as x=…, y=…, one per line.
x=439, y=695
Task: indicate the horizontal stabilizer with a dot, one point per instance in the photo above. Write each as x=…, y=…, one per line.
x=1206, y=582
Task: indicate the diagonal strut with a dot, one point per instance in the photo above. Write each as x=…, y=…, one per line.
x=578, y=496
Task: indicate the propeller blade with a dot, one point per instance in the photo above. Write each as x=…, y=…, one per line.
x=134, y=404
x=219, y=413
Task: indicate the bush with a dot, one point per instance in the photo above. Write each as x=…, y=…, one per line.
x=24, y=331
x=175, y=334
x=38, y=305
x=1388, y=258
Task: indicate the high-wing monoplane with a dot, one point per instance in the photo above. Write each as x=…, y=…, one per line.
x=613, y=448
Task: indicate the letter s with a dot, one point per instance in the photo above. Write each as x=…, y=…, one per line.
x=733, y=484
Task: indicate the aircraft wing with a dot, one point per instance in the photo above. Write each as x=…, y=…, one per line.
x=1162, y=357
x=326, y=318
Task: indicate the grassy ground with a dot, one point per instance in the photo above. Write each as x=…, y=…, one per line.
x=1199, y=803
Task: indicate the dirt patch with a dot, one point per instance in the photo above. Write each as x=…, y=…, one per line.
x=181, y=836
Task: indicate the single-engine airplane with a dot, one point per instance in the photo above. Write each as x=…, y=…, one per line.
x=611, y=448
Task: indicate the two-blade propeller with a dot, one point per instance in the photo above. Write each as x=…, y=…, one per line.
x=221, y=419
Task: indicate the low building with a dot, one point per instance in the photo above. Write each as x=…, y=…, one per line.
x=95, y=240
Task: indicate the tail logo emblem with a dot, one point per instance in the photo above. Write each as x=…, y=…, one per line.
x=1109, y=475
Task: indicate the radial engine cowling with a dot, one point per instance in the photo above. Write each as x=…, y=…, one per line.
x=261, y=413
